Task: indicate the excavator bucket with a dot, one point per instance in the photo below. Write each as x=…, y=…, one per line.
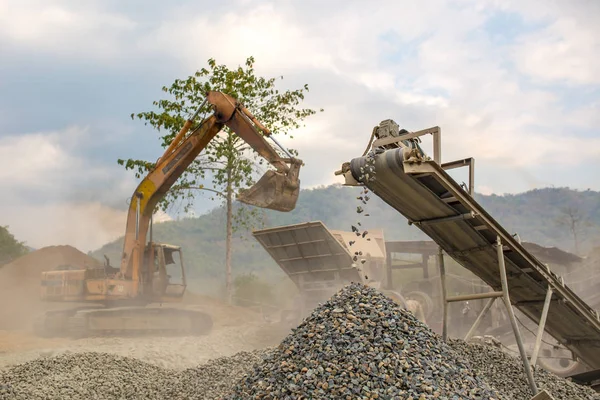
x=275, y=190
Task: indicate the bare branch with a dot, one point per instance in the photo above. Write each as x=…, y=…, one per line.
x=200, y=188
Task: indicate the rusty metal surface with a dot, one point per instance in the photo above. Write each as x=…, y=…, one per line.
x=417, y=190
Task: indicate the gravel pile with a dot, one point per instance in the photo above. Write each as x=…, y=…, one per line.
x=361, y=345
x=214, y=379
x=358, y=345
x=82, y=376
x=106, y=376
x=505, y=373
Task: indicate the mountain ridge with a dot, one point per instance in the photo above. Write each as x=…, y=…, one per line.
x=535, y=215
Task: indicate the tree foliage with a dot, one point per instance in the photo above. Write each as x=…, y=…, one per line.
x=227, y=161
x=10, y=248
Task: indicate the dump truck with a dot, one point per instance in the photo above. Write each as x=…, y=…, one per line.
x=139, y=295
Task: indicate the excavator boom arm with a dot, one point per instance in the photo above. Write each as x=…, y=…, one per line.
x=279, y=191
x=240, y=120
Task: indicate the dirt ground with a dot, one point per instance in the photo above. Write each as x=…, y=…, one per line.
x=168, y=352
x=235, y=328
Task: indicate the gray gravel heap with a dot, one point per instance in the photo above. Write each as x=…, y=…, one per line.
x=105, y=376
x=214, y=379
x=505, y=373
x=361, y=345
x=82, y=376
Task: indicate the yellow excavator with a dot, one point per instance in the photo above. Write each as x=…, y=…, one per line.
x=136, y=297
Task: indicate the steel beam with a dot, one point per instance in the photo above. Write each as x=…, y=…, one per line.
x=389, y=283
x=480, y=318
x=511, y=315
x=519, y=256
x=468, y=162
x=440, y=220
x=541, y=327
x=475, y=296
x=397, y=139
x=277, y=246
x=442, y=177
x=407, y=266
x=442, y=268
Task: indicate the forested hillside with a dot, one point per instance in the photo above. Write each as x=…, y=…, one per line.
x=542, y=216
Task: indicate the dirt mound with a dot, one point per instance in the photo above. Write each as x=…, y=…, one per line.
x=20, y=283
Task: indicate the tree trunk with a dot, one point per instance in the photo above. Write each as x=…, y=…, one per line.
x=228, y=285
x=229, y=234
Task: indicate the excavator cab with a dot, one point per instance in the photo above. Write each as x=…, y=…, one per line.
x=276, y=190
x=168, y=275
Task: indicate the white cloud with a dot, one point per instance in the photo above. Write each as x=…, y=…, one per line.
x=566, y=48
x=64, y=28
x=484, y=110
x=564, y=51
x=39, y=158
x=260, y=30
x=425, y=65
x=53, y=194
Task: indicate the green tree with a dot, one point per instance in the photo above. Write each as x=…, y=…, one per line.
x=227, y=164
x=10, y=248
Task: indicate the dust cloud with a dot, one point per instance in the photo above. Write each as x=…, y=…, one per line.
x=86, y=226
x=235, y=328
x=20, y=283
x=584, y=278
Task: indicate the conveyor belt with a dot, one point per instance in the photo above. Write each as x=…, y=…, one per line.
x=428, y=197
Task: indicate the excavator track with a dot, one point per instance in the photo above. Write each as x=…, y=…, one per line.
x=124, y=321
x=55, y=323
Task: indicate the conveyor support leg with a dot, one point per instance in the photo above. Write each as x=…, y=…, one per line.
x=541, y=327
x=480, y=318
x=444, y=295
x=512, y=318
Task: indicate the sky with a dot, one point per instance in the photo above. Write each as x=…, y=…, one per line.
x=513, y=84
